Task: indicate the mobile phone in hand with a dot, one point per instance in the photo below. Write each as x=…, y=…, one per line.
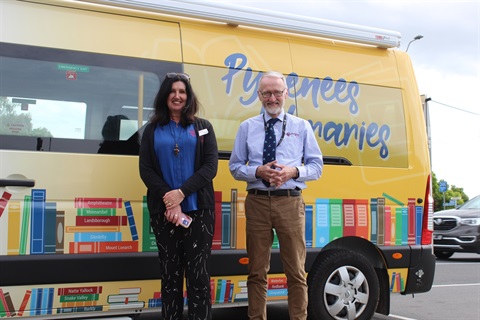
x=185, y=220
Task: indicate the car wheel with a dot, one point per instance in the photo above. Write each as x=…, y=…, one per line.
x=443, y=255
x=342, y=284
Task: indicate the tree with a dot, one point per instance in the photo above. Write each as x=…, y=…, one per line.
x=452, y=192
x=13, y=123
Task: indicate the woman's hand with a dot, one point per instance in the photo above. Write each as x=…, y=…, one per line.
x=173, y=198
x=173, y=215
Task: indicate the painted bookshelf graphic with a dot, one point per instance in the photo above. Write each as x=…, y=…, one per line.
x=156, y=300
x=4, y=201
x=79, y=299
x=149, y=243
x=233, y=217
x=14, y=218
x=397, y=283
x=277, y=287
x=131, y=220
x=241, y=295
x=6, y=305
x=383, y=220
x=97, y=226
x=41, y=301
x=24, y=303
x=322, y=222
x=241, y=242
x=309, y=226
x=33, y=228
x=217, y=233
x=37, y=226
x=336, y=221
x=35, y=302
x=125, y=298
x=226, y=226
x=37, y=216
x=223, y=291
x=275, y=243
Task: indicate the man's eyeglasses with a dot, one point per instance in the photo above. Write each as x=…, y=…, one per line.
x=268, y=94
x=183, y=76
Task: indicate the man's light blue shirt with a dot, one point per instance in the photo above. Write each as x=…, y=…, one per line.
x=298, y=143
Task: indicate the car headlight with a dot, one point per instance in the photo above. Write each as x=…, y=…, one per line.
x=471, y=221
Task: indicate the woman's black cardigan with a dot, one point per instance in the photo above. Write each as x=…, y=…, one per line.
x=206, y=165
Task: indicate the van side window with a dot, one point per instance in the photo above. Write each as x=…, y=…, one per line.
x=68, y=101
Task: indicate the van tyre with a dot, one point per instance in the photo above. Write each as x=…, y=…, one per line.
x=342, y=284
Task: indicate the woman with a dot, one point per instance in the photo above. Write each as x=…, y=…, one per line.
x=178, y=161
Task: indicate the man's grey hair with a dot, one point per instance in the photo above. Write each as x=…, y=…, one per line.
x=274, y=74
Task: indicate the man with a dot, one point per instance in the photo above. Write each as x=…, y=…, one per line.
x=274, y=197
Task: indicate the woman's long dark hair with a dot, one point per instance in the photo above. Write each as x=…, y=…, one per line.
x=161, y=113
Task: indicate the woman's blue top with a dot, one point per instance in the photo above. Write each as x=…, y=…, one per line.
x=177, y=168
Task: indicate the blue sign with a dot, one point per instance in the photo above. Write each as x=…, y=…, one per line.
x=443, y=186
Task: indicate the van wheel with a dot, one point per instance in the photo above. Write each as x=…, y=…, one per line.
x=443, y=255
x=342, y=284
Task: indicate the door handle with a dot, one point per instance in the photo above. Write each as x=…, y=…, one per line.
x=17, y=183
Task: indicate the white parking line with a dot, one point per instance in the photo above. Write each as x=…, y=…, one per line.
x=456, y=285
x=455, y=263
x=400, y=317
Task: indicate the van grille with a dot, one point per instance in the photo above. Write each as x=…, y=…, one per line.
x=444, y=224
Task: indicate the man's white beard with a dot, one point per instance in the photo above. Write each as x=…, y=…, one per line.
x=274, y=109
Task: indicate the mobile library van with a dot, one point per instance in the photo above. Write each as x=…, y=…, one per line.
x=77, y=83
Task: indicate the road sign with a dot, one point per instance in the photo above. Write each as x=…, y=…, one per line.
x=442, y=186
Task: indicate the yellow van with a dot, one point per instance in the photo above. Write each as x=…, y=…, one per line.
x=77, y=82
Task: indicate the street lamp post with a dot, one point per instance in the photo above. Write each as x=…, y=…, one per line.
x=414, y=39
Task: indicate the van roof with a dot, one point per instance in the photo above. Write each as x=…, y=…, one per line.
x=272, y=20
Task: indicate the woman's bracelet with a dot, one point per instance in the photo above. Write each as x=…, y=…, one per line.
x=181, y=193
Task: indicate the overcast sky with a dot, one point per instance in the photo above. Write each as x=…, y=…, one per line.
x=446, y=63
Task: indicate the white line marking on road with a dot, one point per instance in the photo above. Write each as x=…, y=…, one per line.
x=456, y=285
x=455, y=263
x=400, y=317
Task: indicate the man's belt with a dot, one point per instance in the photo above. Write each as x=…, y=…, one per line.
x=276, y=193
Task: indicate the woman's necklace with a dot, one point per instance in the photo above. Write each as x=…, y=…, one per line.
x=173, y=131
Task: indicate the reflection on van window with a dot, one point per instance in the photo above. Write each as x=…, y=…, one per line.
x=120, y=136
x=42, y=118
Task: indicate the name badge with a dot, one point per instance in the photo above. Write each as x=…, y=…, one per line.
x=202, y=132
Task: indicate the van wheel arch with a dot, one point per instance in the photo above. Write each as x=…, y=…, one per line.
x=353, y=246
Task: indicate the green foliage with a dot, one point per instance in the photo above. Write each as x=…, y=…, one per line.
x=13, y=123
x=452, y=192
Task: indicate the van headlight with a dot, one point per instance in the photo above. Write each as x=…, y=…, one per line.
x=471, y=221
